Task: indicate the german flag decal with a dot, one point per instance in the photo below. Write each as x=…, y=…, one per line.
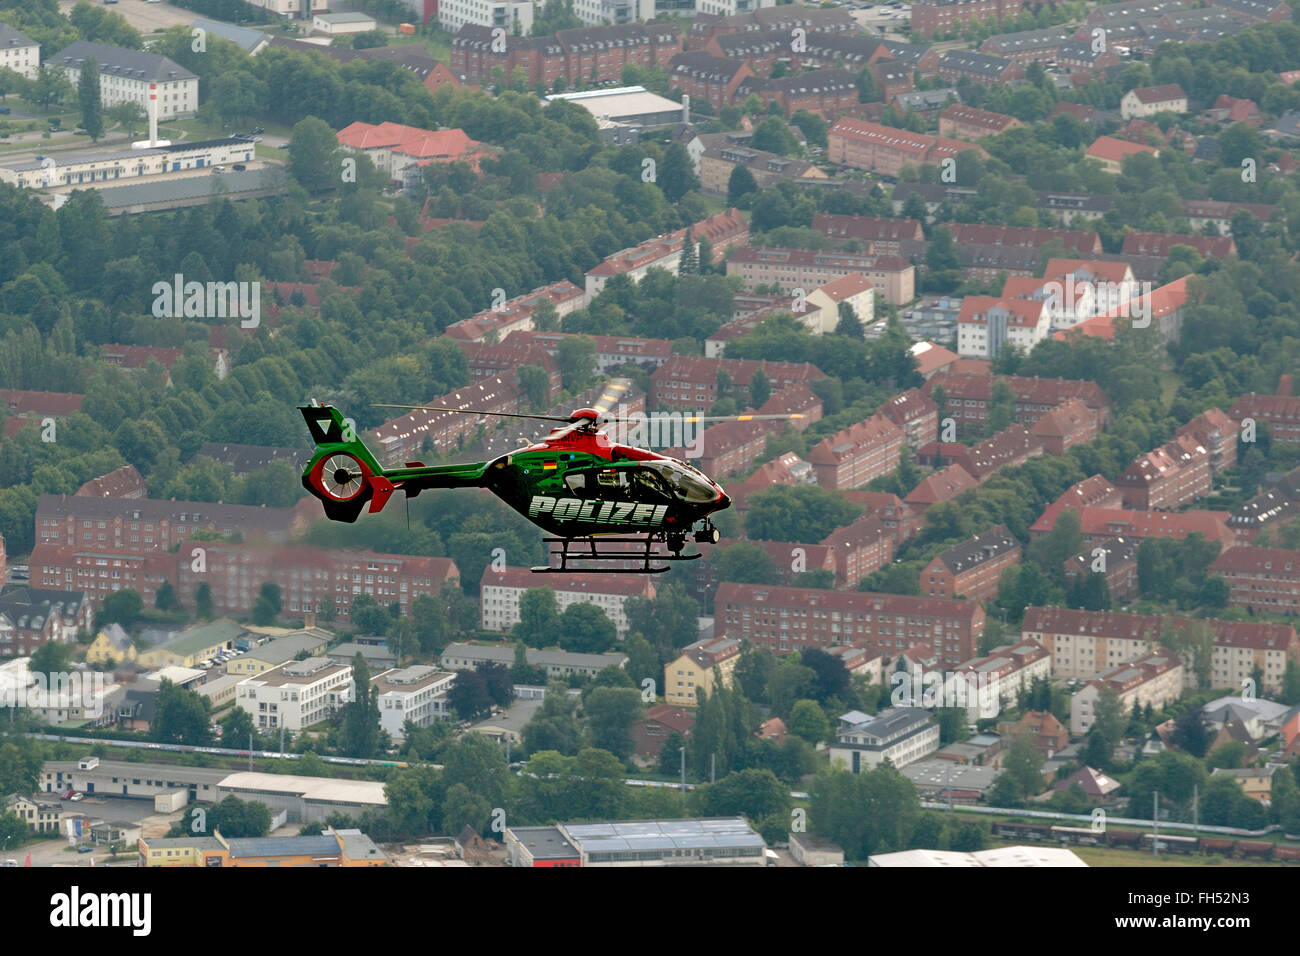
x=548, y=466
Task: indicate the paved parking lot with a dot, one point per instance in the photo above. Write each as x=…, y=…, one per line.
x=145, y=17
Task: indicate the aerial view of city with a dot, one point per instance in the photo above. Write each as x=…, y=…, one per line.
x=644, y=434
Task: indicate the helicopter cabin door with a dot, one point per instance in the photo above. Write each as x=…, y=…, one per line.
x=630, y=483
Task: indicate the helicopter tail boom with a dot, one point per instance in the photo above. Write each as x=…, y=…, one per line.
x=344, y=475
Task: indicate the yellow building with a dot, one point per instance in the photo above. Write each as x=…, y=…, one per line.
x=331, y=848
x=43, y=816
x=279, y=650
x=693, y=671
x=1256, y=782
x=193, y=645
x=112, y=645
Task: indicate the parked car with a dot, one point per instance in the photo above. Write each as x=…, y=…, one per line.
x=239, y=167
x=4, y=110
x=11, y=863
x=218, y=169
x=76, y=796
x=258, y=131
x=85, y=849
x=283, y=146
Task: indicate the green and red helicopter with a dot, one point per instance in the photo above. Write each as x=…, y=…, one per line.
x=576, y=484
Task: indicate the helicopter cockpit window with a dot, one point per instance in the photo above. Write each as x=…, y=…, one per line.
x=686, y=485
x=577, y=483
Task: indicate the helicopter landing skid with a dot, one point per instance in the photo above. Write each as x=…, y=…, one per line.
x=590, y=552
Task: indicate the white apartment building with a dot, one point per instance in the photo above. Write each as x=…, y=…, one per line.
x=19, y=52
x=296, y=695
x=417, y=693
x=595, y=13
x=500, y=592
x=126, y=75
x=1155, y=679
x=902, y=735
x=454, y=14
x=992, y=682
x=986, y=326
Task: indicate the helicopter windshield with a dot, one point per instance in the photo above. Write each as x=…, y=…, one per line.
x=687, y=486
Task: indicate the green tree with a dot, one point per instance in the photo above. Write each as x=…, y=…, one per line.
x=611, y=713
x=359, y=728
x=555, y=725
x=577, y=360
x=465, y=808
x=121, y=607
x=13, y=831
x=1024, y=764
x=203, y=601
x=740, y=184
x=181, y=716
x=539, y=618
x=808, y=721
x=314, y=160
x=92, y=109
x=586, y=629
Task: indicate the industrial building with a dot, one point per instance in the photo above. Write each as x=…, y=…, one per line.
x=304, y=799
x=87, y=168
x=725, y=841
x=629, y=106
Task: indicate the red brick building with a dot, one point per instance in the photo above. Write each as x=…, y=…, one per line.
x=826, y=93
x=1162, y=244
x=1168, y=477
x=885, y=236
x=690, y=383
x=944, y=485
x=1082, y=242
x=1012, y=446
x=852, y=457
x=967, y=398
x=25, y=406
x=149, y=525
x=1281, y=412
x=488, y=360
x=99, y=572
x=1116, y=559
x=885, y=150
x=915, y=413
x=931, y=17
x=899, y=520
x=786, y=619
x=1262, y=580
x=306, y=576
x=967, y=122
x=124, y=482
x=1070, y=423
x=857, y=549
x=971, y=569
x=407, y=437
x=1100, y=524
x=711, y=79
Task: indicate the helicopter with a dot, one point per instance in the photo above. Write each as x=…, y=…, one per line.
x=585, y=490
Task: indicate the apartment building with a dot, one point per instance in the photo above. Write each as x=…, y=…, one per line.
x=853, y=456
x=707, y=78
x=687, y=383
x=859, y=548
x=1153, y=680
x=149, y=525
x=967, y=398
x=915, y=413
x=1281, y=412
x=98, y=572
x=786, y=619
x=985, y=685
x=988, y=324
x=408, y=437
x=942, y=485
x=1262, y=580
x=296, y=695
x=501, y=591
x=612, y=351
x=1115, y=559
x=1071, y=423
x=901, y=735
x=967, y=122
x=940, y=17
x=893, y=277
x=691, y=677
x=131, y=76
x=32, y=616
x=885, y=150
x=971, y=570
x=488, y=359
x=1161, y=244
x=884, y=235
x=513, y=17
x=1085, y=643
x=1083, y=242
x=417, y=694
x=723, y=230
x=1172, y=475
x=19, y=52
x=516, y=315
x=1144, y=101
x=1101, y=524
x=900, y=521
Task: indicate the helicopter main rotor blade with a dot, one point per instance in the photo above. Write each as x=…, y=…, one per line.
x=720, y=418
x=474, y=411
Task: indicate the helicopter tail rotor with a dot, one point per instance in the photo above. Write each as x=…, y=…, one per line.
x=342, y=474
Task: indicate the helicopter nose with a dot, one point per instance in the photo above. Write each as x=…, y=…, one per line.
x=724, y=500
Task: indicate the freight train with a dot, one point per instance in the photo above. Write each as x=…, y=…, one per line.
x=1174, y=844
